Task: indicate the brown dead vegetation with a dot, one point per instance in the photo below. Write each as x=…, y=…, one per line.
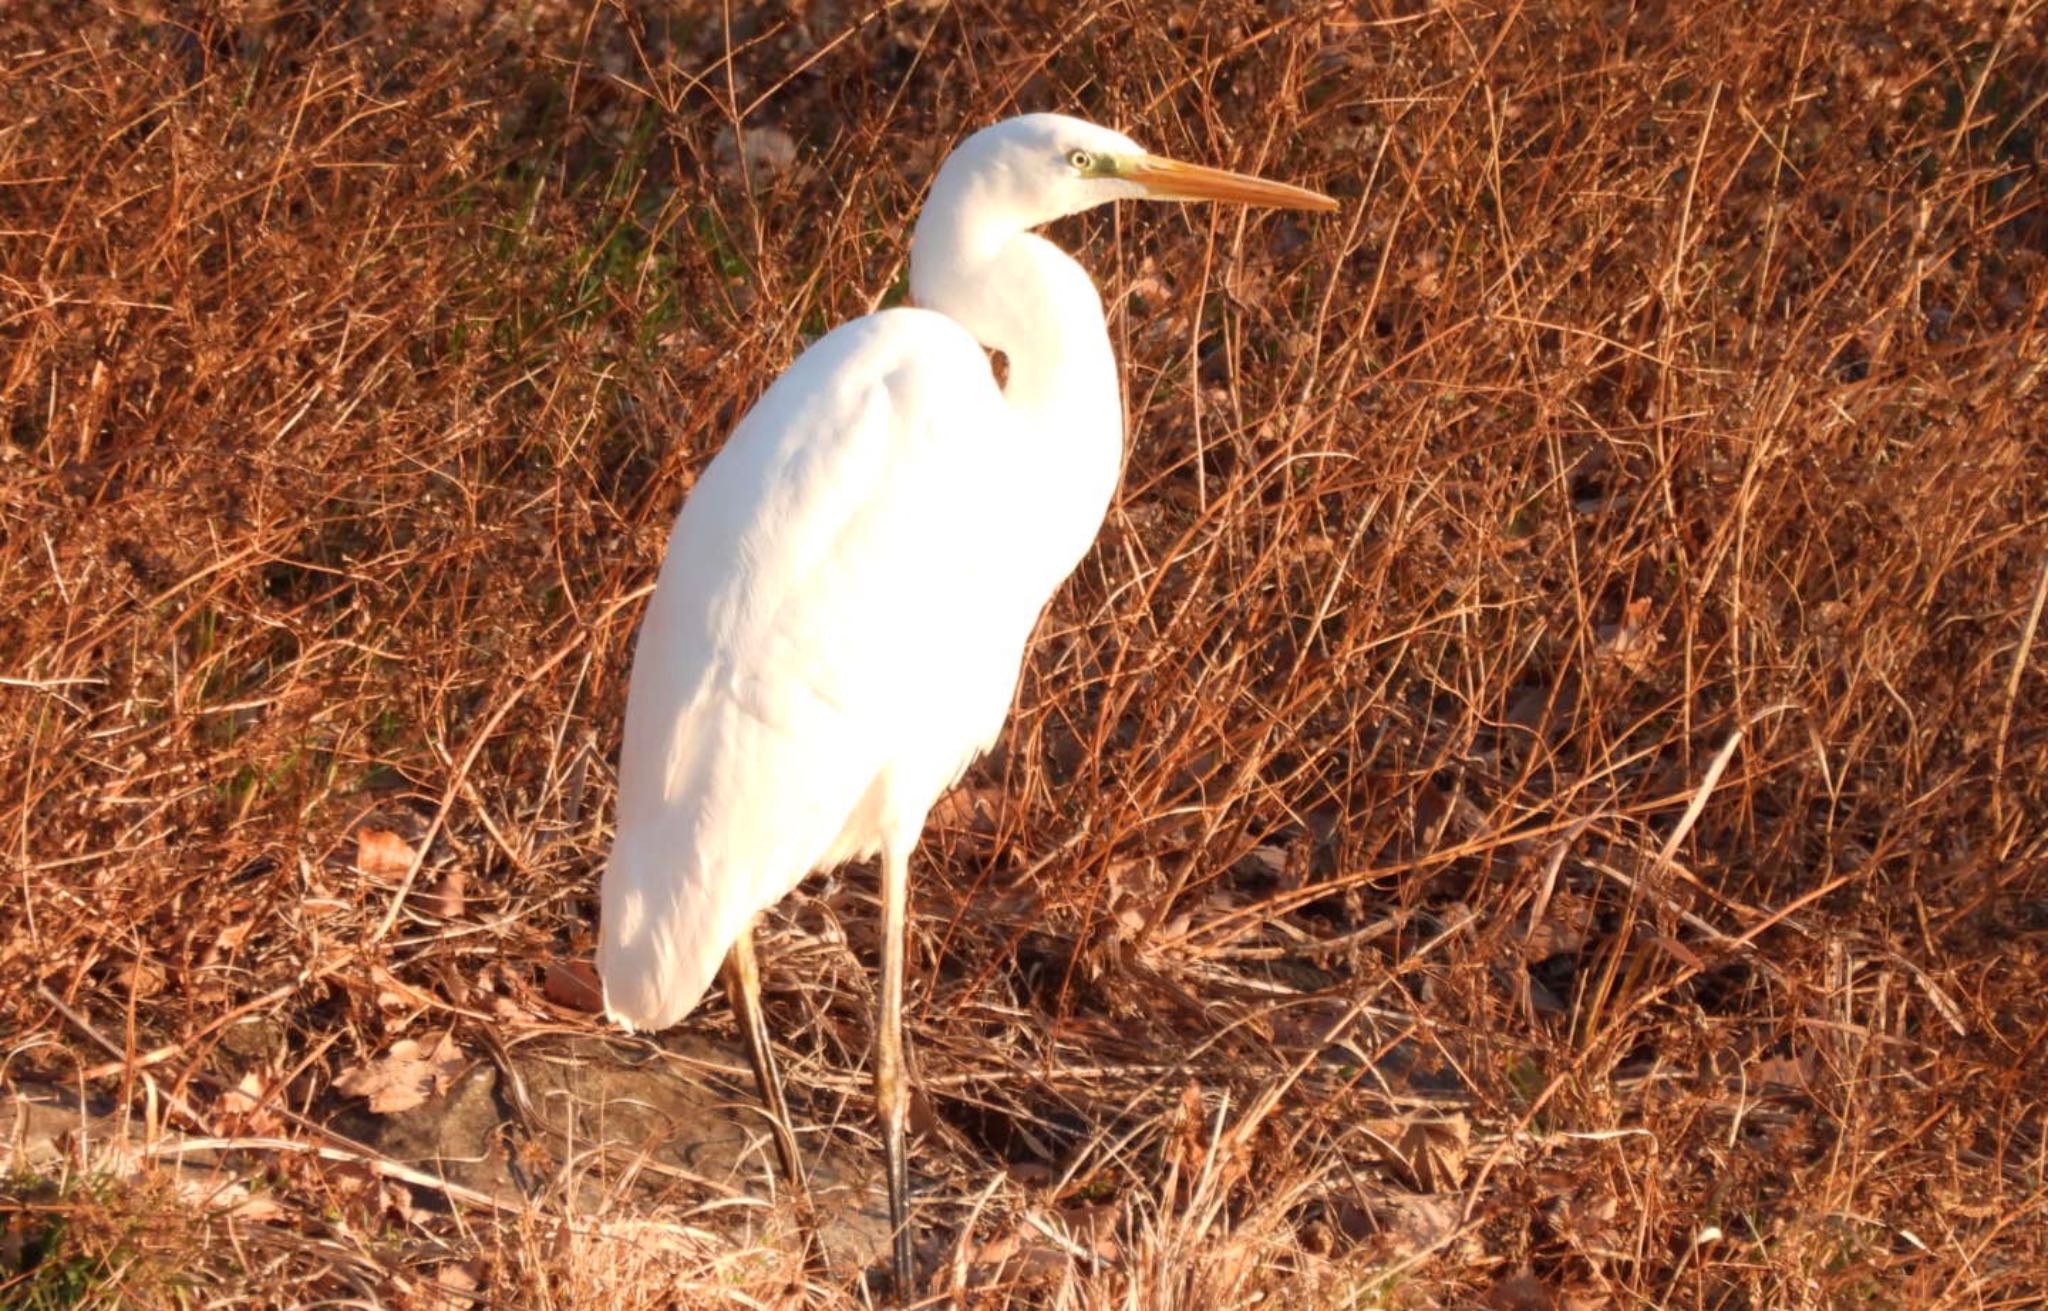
x=1538, y=799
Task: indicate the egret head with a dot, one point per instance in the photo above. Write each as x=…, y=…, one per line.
x=970, y=258
x=1030, y=170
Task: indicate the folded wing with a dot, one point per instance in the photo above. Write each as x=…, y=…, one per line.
x=828, y=646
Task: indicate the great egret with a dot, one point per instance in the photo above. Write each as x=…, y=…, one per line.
x=850, y=587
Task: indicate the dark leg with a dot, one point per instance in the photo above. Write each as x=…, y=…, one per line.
x=743, y=989
x=892, y=1091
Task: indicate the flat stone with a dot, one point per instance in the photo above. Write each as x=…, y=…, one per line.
x=673, y=1125
x=642, y=1131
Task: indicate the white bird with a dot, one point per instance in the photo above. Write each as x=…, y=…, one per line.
x=850, y=587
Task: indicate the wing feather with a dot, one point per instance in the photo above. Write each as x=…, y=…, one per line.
x=806, y=638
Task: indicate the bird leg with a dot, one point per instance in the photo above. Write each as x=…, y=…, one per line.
x=743, y=989
x=892, y=1091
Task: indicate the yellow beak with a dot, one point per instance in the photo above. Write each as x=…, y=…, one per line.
x=1169, y=179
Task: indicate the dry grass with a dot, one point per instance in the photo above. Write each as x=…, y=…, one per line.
x=1537, y=800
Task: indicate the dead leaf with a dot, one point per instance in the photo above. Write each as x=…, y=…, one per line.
x=382, y=854
x=242, y=1109
x=1014, y=1257
x=1681, y=953
x=233, y=933
x=226, y=1197
x=407, y=1075
x=1265, y=865
x=462, y=1275
x=1632, y=644
x=1429, y=1152
x=1091, y=1226
x=1411, y=1223
x=454, y=1285
x=140, y=978
x=1567, y=922
x=995, y=1251
x=573, y=984
x=1794, y=1073
x=395, y=994
x=1585, y=1215
x=447, y=900
x=975, y=809
x=1436, y=1150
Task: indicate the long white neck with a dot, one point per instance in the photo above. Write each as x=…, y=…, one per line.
x=1019, y=294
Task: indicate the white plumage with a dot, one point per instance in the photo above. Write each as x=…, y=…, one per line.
x=850, y=587
x=829, y=645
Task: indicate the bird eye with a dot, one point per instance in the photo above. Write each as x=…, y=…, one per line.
x=1081, y=160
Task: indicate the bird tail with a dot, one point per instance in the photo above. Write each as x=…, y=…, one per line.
x=660, y=939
